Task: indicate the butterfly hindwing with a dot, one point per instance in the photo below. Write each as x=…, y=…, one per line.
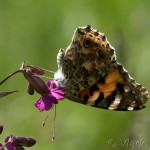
x=115, y=91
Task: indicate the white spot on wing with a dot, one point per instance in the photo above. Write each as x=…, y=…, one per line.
x=116, y=102
x=126, y=88
x=130, y=108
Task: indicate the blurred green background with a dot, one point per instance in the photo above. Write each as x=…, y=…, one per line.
x=34, y=30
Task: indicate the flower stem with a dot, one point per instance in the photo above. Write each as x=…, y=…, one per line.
x=49, y=71
x=17, y=71
x=1, y=148
x=46, y=77
x=53, y=136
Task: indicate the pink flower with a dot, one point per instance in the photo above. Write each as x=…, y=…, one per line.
x=50, y=93
x=17, y=142
x=46, y=101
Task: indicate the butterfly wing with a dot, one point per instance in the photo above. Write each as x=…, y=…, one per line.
x=90, y=74
x=117, y=90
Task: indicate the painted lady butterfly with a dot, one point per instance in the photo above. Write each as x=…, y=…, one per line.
x=90, y=74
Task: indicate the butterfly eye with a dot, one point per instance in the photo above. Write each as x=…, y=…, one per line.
x=87, y=43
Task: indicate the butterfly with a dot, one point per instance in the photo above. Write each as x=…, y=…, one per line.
x=90, y=74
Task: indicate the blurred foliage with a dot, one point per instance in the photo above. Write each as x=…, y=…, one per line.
x=34, y=30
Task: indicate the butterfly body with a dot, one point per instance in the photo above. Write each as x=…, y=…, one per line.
x=90, y=74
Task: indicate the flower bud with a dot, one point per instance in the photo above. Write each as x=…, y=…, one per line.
x=30, y=89
x=37, y=70
x=36, y=82
x=27, y=142
x=17, y=143
x=1, y=129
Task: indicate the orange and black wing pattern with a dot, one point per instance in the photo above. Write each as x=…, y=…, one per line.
x=115, y=91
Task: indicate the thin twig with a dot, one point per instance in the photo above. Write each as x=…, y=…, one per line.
x=17, y=71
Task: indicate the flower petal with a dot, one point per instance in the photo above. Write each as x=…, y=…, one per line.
x=58, y=93
x=43, y=103
x=53, y=99
x=51, y=84
x=11, y=147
